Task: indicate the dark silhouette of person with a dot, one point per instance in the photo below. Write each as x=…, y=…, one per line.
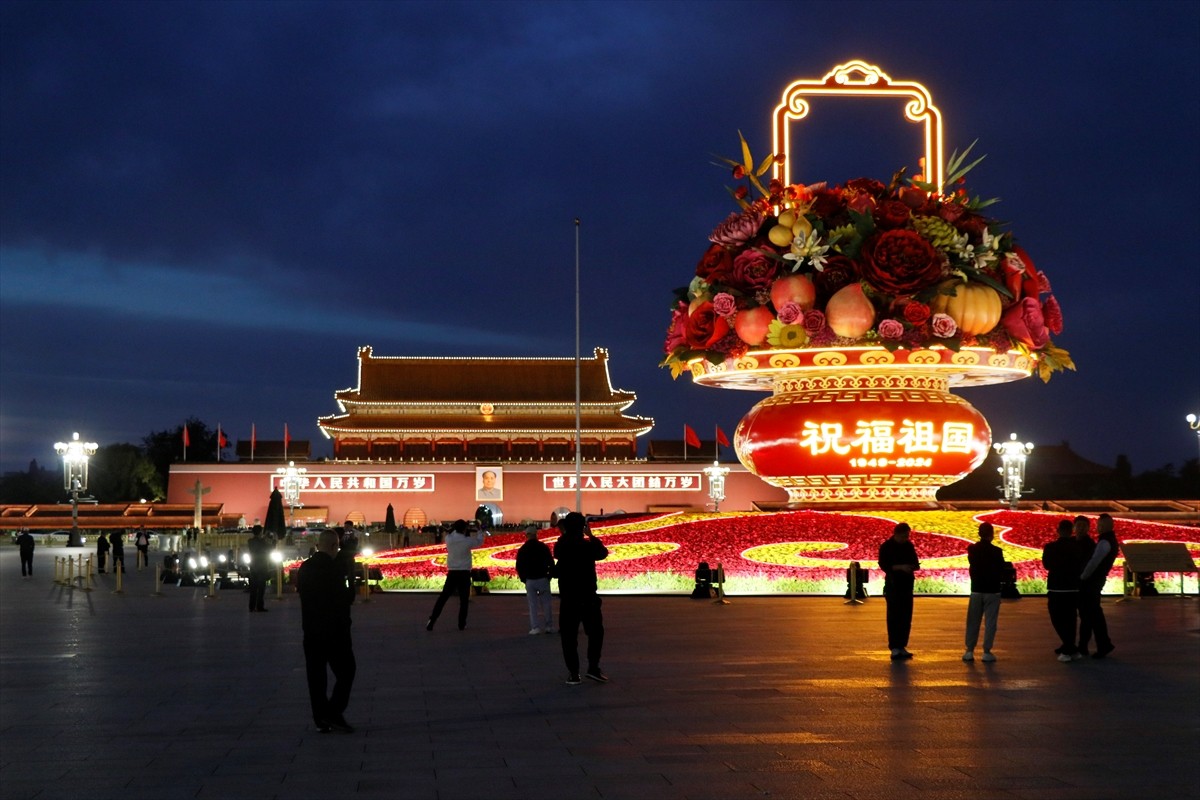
x=459, y=544
x=898, y=560
x=576, y=553
x=142, y=542
x=117, y=540
x=1092, y=580
x=260, y=568
x=535, y=564
x=986, y=562
x=1061, y=561
x=325, y=617
x=101, y=551
x=26, y=544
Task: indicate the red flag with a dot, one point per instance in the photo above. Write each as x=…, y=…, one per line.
x=223, y=438
x=690, y=437
x=286, y=437
x=721, y=437
x=186, y=440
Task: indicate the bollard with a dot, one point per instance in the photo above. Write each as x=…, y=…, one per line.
x=58, y=569
x=279, y=581
x=120, y=573
x=365, y=590
x=86, y=575
x=212, y=580
x=158, y=580
x=852, y=582
x=721, y=585
x=71, y=571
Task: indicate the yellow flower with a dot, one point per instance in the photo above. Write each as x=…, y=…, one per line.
x=786, y=336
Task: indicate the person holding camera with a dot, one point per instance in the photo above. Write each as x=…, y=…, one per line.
x=577, y=552
x=459, y=544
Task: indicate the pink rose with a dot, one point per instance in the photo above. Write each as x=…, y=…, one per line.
x=814, y=322
x=724, y=304
x=790, y=313
x=943, y=326
x=1025, y=323
x=753, y=270
x=892, y=329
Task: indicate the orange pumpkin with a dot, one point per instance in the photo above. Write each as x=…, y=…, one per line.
x=974, y=307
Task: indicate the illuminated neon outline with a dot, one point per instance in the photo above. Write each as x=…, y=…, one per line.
x=873, y=82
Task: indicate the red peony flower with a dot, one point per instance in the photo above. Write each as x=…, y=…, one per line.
x=703, y=327
x=752, y=270
x=899, y=262
x=716, y=266
x=1025, y=323
x=865, y=186
x=839, y=272
x=814, y=322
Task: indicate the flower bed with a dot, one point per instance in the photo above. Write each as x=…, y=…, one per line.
x=795, y=551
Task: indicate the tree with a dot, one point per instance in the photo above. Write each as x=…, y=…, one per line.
x=122, y=472
x=165, y=448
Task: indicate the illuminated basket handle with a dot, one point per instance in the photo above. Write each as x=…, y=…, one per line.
x=859, y=79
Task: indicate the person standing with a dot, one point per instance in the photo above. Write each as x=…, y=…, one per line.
x=260, y=568
x=101, y=551
x=25, y=545
x=898, y=560
x=117, y=540
x=325, y=618
x=534, y=565
x=986, y=562
x=459, y=544
x=1061, y=560
x=1091, y=586
x=142, y=542
x=577, y=552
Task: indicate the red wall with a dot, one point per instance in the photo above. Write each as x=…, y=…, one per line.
x=245, y=488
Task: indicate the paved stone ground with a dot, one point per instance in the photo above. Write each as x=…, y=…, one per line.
x=135, y=696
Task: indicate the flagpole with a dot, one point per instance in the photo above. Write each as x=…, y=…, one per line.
x=716, y=444
x=218, y=443
x=685, y=442
x=253, y=438
x=578, y=413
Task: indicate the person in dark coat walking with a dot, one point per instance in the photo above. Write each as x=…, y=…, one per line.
x=260, y=568
x=1061, y=560
x=898, y=560
x=1091, y=586
x=347, y=550
x=26, y=545
x=117, y=540
x=987, y=570
x=325, y=617
x=577, y=552
x=101, y=551
x=534, y=565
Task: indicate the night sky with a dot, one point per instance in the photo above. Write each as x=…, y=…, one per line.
x=208, y=207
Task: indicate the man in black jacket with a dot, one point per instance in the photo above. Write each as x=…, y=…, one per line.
x=534, y=565
x=260, y=568
x=578, y=601
x=898, y=560
x=325, y=615
x=1062, y=563
x=987, y=570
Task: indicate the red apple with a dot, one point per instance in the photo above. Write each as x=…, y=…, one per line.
x=751, y=325
x=796, y=289
x=849, y=313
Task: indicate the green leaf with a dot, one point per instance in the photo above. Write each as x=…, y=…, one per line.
x=765, y=165
x=983, y=277
x=863, y=223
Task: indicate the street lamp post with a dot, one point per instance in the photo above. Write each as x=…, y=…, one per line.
x=75, y=456
x=1012, y=468
x=716, y=483
x=1194, y=423
x=291, y=479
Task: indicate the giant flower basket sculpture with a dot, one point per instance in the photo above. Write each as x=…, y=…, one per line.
x=859, y=307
